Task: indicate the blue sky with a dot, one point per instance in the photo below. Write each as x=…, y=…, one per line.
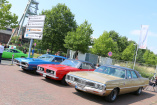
x=123, y=16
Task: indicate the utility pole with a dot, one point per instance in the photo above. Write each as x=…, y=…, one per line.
x=31, y=9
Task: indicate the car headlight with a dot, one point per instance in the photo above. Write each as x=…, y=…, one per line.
x=100, y=87
x=96, y=86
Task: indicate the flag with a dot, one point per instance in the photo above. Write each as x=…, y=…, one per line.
x=143, y=37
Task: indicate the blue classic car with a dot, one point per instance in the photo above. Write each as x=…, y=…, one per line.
x=31, y=63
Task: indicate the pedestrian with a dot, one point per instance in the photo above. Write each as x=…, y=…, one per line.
x=1, y=51
x=97, y=65
x=48, y=51
x=32, y=52
x=5, y=46
x=24, y=50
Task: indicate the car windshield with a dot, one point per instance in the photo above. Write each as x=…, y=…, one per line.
x=46, y=57
x=111, y=71
x=71, y=63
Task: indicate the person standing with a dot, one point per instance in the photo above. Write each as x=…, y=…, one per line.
x=32, y=52
x=25, y=51
x=48, y=51
x=1, y=51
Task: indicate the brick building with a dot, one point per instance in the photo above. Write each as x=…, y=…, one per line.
x=5, y=35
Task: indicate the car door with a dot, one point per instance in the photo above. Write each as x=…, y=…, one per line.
x=136, y=81
x=126, y=85
x=7, y=54
x=16, y=53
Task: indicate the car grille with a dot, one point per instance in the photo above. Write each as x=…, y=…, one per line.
x=81, y=81
x=23, y=63
x=50, y=71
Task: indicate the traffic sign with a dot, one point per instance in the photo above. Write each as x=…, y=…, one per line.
x=34, y=30
x=33, y=36
x=110, y=53
x=36, y=18
x=35, y=24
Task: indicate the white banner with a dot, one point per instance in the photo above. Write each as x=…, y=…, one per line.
x=143, y=37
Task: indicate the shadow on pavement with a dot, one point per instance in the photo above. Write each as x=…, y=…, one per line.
x=124, y=99
x=29, y=72
x=56, y=82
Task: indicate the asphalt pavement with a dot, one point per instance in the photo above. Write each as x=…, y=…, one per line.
x=18, y=87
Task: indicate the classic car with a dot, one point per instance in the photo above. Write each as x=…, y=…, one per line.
x=31, y=63
x=8, y=53
x=58, y=72
x=108, y=81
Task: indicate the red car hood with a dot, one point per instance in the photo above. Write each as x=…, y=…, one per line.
x=56, y=67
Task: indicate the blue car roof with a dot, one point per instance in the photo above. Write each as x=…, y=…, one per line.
x=56, y=56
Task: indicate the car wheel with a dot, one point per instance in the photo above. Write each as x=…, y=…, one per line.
x=63, y=81
x=139, y=91
x=23, y=69
x=112, y=96
x=22, y=57
x=78, y=90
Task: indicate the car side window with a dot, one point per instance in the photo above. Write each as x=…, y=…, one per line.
x=133, y=74
x=128, y=74
x=14, y=51
x=58, y=59
x=86, y=66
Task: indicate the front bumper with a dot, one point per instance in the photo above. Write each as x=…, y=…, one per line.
x=86, y=89
x=46, y=74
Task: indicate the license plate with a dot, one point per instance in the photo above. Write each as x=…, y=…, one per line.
x=44, y=74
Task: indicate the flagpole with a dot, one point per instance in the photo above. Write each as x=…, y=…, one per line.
x=135, y=57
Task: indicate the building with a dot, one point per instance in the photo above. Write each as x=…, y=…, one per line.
x=5, y=35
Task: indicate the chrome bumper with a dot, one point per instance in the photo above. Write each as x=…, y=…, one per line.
x=86, y=89
x=46, y=74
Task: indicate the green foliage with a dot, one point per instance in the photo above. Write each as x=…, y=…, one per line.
x=150, y=58
x=128, y=53
x=7, y=18
x=105, y=44
x=15, y=40
x=80, y=39
x=122, y=42
x=59, y=21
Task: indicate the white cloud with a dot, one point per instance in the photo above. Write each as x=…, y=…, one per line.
x=137, y=32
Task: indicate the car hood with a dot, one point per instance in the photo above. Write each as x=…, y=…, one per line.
x=57, y=67
x=95, y=76
x=31, y=60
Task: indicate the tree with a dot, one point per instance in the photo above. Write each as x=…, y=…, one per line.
x=128, y=53
x=80, y=39
x=59, y=21
x=122, y=42
x=150, y=58
x=7, y=18
x=105, y=44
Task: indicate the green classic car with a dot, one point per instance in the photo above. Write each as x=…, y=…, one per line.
x=9, y=52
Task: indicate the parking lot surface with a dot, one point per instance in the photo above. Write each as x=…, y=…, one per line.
x=18, y=87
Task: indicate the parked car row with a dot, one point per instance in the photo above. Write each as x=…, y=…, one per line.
x=108, y=80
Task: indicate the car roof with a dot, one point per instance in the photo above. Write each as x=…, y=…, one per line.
x=55, y=56
x=81, y=61
x=113, y=66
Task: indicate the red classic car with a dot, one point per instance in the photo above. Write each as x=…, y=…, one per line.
x=58, y=72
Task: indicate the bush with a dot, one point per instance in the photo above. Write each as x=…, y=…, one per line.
x=143, y=71
x=19, y=48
